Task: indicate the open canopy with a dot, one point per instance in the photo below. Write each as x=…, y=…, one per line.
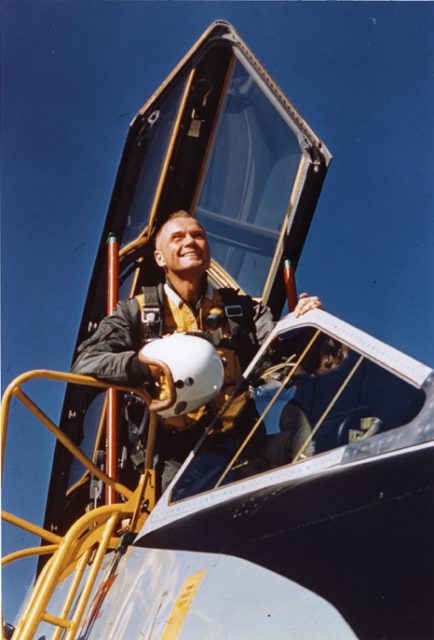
x=220, y=140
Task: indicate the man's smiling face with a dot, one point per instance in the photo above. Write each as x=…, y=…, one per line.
x=182, y=248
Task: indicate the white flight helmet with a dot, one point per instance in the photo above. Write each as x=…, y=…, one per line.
x=196, y=367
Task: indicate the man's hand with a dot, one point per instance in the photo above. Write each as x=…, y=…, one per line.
x=157, y=374
x=162, y=380
x=306, y=303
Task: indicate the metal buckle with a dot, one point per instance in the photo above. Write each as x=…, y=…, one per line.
x=151, y=315
x=234, y=311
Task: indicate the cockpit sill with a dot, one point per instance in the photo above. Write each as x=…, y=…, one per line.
x=417, y=434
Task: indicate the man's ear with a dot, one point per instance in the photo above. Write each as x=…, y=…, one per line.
x=159, y=258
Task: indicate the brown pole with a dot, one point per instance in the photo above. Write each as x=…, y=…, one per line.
x=291, y=289
x=112, y=396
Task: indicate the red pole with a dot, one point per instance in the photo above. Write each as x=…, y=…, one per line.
x=291, y=289
x=112, y=396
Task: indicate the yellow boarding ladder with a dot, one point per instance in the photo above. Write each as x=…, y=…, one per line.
x=91, y=536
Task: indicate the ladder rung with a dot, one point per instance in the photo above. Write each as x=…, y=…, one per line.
x=59, y=622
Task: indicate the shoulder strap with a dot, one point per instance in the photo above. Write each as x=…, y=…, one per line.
x=151, y=312
x=239, y=312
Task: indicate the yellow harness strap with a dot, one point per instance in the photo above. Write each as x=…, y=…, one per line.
x=180, y=318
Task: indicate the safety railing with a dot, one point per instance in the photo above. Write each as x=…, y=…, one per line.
x=91, y=536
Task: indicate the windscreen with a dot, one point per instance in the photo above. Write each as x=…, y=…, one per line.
x=308, y=394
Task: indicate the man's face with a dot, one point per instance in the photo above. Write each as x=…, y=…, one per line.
x=182, y=248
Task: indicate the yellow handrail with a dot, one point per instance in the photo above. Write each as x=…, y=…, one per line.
x=89, y=537
x=28, y=553
x=49, y=536
x=14, y=389
x=68, y=444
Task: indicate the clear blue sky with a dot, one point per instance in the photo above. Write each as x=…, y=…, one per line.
x=73, y=76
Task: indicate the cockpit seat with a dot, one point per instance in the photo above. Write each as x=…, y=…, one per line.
x=281, y=448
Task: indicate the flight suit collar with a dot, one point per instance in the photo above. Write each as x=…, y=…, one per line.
x=172, y=294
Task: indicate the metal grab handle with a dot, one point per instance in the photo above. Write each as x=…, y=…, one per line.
x=161, y=405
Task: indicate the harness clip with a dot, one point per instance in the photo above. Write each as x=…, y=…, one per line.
x=151, y=316
x=234, y=311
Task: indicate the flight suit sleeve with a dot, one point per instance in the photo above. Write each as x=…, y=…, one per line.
x=110, y=354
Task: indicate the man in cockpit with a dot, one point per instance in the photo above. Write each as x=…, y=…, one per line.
x=188, y=303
